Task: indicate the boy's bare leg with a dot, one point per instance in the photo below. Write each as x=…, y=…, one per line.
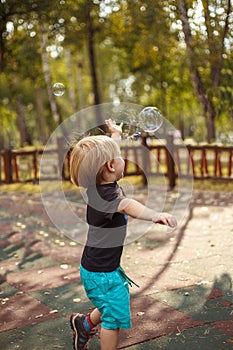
x=109, y=339
x=95, y=316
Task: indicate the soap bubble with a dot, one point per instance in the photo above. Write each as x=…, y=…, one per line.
x=67, y=209
x=58, y=89
x=150, y=119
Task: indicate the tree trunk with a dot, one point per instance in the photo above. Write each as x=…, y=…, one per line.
x=25, y=138
x=41, y=116
x=21, y=122
x=47, y=74
x=79, y=83
x=2, y=50
x=71, y=89
x=216, y=48
x=206, y=103
x=200, y=91
x=92, y=59
x=79, y=79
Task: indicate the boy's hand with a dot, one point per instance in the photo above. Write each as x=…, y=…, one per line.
x=165, y=219
x=113, y=127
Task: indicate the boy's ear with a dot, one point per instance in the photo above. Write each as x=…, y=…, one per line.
x=110, y=167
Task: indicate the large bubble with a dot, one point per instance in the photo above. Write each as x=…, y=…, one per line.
x=67, y=209
x=150, y=119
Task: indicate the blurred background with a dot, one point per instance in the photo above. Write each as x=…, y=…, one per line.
x=176, y=55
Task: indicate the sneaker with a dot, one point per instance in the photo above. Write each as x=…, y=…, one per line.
x=81, y=335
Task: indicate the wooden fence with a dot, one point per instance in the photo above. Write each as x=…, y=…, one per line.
x=201, y=162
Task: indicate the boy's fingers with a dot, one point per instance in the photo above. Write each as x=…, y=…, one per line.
x=172, y=222
x=161, y=220
x=169, y=221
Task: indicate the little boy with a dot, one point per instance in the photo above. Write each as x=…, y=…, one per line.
x=96, y=165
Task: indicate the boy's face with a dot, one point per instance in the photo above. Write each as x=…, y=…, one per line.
x=119, y=166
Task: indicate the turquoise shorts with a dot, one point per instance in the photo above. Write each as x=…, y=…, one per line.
x=109, y=292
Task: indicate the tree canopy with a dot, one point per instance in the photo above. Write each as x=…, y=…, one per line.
x=175, y=55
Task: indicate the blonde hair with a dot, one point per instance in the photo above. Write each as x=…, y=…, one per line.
x=88, y=158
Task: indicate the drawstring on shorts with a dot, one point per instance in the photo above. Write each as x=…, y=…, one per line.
x=128, y=280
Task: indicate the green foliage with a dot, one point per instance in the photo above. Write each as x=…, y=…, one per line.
x=8, y=128
x=140, y=54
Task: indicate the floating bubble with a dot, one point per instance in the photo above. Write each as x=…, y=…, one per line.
x=58, y=89
x=150, y=119
x=66, y=209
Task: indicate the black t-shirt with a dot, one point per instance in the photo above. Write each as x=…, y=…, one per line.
x=107, y=228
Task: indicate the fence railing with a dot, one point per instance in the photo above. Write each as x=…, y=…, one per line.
x=201, y=162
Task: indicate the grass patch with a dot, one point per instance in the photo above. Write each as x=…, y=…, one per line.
x=29, y=187
x=213, y=185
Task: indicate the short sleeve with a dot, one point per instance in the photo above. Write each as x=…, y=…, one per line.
x=103, y=203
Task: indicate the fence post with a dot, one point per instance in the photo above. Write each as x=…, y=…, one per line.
x=7, y=156
x=170, y=161
x=144, y=160
x=35, y=167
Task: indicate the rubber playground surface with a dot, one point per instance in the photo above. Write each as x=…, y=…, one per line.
x=185, y=297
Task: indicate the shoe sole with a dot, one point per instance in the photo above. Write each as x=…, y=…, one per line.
x=75, y=336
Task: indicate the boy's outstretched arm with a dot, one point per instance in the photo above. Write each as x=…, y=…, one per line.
x=132, y=207
x=137, y=210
